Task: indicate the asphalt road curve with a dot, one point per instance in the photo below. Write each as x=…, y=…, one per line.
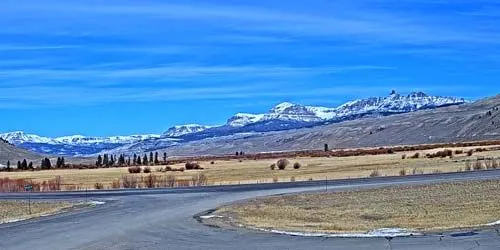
x=163, y=219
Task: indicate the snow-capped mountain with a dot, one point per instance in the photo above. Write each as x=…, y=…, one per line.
x=19, y=137
x=392, y=104
x=243, y=119
x=283, y=116
x=181, y=130
x=71, y=145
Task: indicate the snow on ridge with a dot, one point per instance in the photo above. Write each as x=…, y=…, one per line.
x=19, y=137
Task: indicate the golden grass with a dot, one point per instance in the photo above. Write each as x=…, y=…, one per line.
x=18, y=210
x=423, y=208
x=258, y=171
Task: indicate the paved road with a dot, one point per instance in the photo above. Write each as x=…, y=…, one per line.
x=163, y=219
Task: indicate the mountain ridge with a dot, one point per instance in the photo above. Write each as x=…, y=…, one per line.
x=284, y=116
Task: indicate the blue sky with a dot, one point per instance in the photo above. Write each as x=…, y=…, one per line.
x=124, y=67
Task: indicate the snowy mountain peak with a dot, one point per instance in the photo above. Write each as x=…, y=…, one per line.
x=20, y=137
x=280, y=108
x=180, y=130
x=243, y=119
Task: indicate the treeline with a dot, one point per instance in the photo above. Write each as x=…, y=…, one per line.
x=44, y=165
x=108, y=160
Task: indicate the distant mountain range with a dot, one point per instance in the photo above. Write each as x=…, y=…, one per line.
x=283, y=116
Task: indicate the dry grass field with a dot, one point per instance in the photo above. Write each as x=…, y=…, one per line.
x=18, y=210
x=258, y=171
x=422, y=208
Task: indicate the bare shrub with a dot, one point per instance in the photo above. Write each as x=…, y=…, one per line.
x=297, y=165
x=403, y=157
x=415, y=156
x=436, y=171
x=199, y=180
x=150, y=181
x=468, y=165
x=416, y=171
x=478, y=165
x=160, y=170
x=192, y=165
x=115, y=184
x=470, y=152
x=282, y=163
x=99, y=186
x=459, y=152
x=273, y=166
x=134, y=170
x=292, y=179
x=494, y=164
x=402, y=172
x=129, y=181
x=375, y=173
x=275, y=179
x=171, y=180
x=147, y=170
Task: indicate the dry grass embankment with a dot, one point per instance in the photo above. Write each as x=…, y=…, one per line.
x=423, y=208
x=18, y=210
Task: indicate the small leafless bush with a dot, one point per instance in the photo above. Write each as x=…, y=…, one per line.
x=415, y=156
x=416, y=171
x=171, y=180
x=468, y=165
x=115, y=184
x=403, y=157
x=99, y=186
x=147, y=170
x=150, y=181
x=134, y=170
x=375, y=173
x=200, y=180
x=297, y=165
x=273, y=166
x=192, y=166
x=478, y=165
x=282, y=163
x=470, y=152
x=402, y=172
x=129, y=181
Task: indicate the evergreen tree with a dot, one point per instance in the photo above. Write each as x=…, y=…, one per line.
x=99, y=161
x=138, y=162
x=112, y=161
x=164, y=157
x=30, y=165
x=8, y=166
x=19, y=167
x=24, y=165
x=63, y=162
x=128, y=161
x=58, y=162
x=145, y=160
x=135, y=159
x=48, y=164
x=105, y=160
x=151, y=161
x=156, y=159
